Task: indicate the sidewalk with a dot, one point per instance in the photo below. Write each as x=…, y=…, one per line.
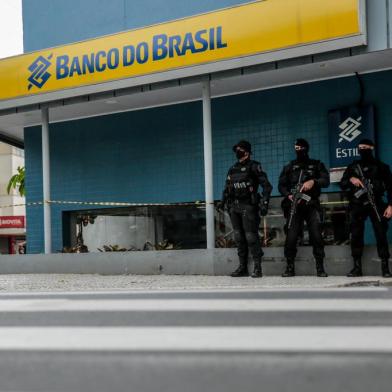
x=212, y=262
x=73, y=282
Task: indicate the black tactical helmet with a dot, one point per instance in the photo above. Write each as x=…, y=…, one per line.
x=368, y=142
x=246, y=146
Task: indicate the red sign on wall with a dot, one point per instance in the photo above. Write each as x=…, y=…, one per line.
x=12, y=222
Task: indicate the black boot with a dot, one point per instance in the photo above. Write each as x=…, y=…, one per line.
x=242, y=270
x=257, y=272
x=385, y=268
x=320, y=269
x=357, y=270
x=290, y=270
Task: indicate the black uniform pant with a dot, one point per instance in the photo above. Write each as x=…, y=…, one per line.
x=245, y=221
x=310, y=213
x=359, y=214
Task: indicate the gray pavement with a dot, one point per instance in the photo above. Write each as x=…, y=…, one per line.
x=93, y=333
x=85, y=282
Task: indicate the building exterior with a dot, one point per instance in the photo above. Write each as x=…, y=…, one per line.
x=12, y=215
x=141, y=140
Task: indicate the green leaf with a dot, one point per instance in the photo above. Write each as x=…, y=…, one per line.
x=17, y=181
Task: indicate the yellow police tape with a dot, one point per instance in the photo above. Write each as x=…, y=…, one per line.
x=125, y=204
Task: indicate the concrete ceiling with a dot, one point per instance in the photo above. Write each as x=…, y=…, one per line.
x=233, y=82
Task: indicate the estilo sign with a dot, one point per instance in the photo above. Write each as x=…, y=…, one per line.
x=347, y=126
x=12, y=222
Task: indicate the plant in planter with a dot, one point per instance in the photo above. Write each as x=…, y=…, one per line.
x=163, y=245
x=75, y=249
x=223, y=242
x=112, y=248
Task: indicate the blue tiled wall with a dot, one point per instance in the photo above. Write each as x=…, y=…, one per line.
x=48, y=23
x=156, y=155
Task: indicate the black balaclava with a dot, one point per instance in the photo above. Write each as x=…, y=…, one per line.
x=366, y=154
x=245, y=146
x=302, y=155
x=240, y=154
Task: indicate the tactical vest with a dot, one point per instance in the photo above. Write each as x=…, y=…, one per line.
x=310, y=170
x=242, y=184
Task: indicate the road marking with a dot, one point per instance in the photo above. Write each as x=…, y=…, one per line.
x=183, y=305
x=195, y=290
x=215, y=339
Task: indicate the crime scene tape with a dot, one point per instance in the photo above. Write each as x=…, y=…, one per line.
x=105, y=203
x=125, y=204
x=36, y=203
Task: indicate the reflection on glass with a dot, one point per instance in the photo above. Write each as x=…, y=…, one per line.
x=132, y=229
x=334, y=215
x=184, y=227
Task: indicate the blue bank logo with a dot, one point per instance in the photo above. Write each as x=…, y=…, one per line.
x=39, y=72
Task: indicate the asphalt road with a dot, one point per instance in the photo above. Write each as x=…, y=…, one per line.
x=219, y=340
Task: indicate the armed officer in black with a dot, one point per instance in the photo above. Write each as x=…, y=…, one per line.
x=244, y=203
x=369, y=170
x=314, y=177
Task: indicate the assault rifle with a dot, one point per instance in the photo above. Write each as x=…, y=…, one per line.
x=368, y=191
x=297, y=197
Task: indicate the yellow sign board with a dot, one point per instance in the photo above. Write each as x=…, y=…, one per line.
x=241, y=31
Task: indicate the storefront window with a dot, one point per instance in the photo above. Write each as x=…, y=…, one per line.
x=183, y=227
x=132, y=229
x=334, y=215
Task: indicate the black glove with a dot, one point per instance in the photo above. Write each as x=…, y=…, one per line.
x=264, y=208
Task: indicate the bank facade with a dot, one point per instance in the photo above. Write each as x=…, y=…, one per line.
x=128, y=160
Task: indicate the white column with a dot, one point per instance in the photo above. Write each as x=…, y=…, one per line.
x=46, y=180
x=208, y=168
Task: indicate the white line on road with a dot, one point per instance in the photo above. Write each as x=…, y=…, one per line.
x=183, y=305
x=211, y=339
x=195, y=290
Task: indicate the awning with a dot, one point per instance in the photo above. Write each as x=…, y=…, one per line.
x=258, y=45
x=13, y=121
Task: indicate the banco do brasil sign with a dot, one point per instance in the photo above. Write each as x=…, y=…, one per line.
x=161, y=48
x=252, y=29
